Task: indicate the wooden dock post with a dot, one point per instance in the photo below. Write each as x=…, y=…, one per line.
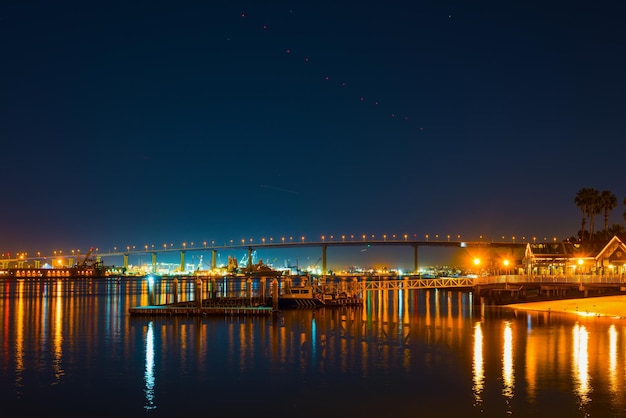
x=275, y=294
x=199, y=292
x=262, y=295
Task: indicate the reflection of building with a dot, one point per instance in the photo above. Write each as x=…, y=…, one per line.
x=588, y=257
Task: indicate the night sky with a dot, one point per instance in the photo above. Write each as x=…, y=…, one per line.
x=151, y=122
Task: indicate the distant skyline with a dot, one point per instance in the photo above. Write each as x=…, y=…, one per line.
x=143, y=123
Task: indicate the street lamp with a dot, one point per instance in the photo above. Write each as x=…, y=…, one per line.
x=506, y=276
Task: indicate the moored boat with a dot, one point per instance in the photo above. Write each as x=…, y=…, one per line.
x=300, y=297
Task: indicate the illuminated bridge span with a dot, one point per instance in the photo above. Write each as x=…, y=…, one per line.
x=152, y=251
x=324, y=245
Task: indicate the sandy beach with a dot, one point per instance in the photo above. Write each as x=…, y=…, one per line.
x=610, y=306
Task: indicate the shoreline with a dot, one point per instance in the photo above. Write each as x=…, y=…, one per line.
x=605, y=306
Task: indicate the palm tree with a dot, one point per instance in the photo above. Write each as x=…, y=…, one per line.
x=584, y=200
x=609, y=202
x=595, y=208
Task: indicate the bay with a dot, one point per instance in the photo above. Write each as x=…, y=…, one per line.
x=71, y=347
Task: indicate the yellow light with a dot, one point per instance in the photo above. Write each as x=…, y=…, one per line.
x=476, y=261
x=506, y=262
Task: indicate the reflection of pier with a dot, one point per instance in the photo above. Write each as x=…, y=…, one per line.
x=248, y=296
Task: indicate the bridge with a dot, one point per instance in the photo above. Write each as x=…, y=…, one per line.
x=69, y=259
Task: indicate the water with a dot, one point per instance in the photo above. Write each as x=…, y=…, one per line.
x=70, y=347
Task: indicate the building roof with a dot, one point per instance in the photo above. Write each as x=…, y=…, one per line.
x=612, y=249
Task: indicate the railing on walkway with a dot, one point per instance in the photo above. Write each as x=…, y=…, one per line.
x=410, y=283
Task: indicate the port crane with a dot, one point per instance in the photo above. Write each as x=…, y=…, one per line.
x=84, y=261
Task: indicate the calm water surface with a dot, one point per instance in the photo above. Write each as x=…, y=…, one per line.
x=70, y=347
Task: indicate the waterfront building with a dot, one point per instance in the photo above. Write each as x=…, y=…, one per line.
x=604, y=258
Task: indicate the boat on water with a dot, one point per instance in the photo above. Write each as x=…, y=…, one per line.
x=304, y=296
x=258, y=269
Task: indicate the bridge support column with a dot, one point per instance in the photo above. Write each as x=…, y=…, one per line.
x=249, y=259
x=182, y=261
x=415, y=266
x=213, y=259
x=154, y=263
x=324, y=270
x=125, y=262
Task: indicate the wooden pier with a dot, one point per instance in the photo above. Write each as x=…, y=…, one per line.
x=165, y=310
x=208, y=307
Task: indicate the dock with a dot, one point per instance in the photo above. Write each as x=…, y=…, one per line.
x=165, y=310
x=208, y=307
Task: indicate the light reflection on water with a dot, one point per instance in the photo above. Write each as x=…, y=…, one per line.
x=478, y=364
x=149, y=375
x=67, y=344
x=581, y=364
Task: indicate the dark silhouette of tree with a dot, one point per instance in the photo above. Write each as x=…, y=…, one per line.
x=585, y=200
x=608, y=201
x=615, y=229
x=595, y=208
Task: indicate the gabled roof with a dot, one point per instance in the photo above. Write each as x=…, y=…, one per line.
x=585, y=249
x=614, y=249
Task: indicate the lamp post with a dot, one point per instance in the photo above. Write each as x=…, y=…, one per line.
x=580, y=276
x=476, y=262
x=506, y=273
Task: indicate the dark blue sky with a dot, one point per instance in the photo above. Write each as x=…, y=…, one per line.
x=144, y=122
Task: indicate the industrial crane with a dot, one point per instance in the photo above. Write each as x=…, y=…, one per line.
x=83, y=263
